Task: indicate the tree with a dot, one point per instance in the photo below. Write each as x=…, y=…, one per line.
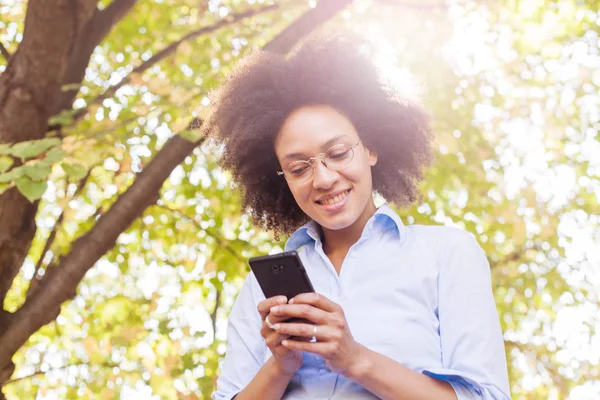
x=112, y=139
x=57, y=44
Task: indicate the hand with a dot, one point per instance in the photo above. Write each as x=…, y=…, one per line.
x=288, y=360
x=342, y=354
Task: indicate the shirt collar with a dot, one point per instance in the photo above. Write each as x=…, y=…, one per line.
x=307, y=233
x=384, y=218
x=387, y=218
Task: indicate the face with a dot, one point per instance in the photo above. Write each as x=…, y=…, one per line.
x=334, y=199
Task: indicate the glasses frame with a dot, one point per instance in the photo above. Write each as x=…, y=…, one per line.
x=320, y=157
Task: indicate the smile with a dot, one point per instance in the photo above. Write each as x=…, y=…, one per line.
x=334, y=200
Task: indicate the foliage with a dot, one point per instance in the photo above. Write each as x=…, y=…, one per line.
x=512, y=121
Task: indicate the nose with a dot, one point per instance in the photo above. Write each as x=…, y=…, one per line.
x=323, y=177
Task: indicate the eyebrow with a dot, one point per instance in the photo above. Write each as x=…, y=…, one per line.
x=324, y=147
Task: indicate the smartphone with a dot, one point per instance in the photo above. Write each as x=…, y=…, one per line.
x=281, y=274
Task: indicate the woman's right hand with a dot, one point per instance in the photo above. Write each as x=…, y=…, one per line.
x=289, y=361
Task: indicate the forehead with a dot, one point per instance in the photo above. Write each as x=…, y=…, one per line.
x=309, y=129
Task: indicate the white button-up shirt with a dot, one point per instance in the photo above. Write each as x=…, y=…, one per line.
x=420, y=295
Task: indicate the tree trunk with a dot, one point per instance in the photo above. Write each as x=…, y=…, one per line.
x=29, y=88
x=58, y=41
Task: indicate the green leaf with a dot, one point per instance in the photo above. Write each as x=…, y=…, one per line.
x=70, y=86
x=31, y=189
x=53, y=155
x=38, y=171
x=192, y=135
x=75, y=171
x=5, y=163
x=33, y=148
x=62, y=118
x=5, y=149
x=4, y=187
x=188, y=361
x=119, y=341
x=163, y=327
x=11, y=175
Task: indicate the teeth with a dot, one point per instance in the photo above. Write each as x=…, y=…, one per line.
x=335, y=199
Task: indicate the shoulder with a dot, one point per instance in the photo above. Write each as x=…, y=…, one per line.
x=442, y=237
x=451, y=247
x=459, y=257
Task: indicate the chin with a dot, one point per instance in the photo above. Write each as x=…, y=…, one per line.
x=336, y=222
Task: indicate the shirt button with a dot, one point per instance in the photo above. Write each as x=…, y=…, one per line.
x=352, y=254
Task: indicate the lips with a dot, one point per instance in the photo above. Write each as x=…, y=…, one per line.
x=333, y=198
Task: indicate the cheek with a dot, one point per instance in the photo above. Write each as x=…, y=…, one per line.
x=301, y=193
x=360, y=174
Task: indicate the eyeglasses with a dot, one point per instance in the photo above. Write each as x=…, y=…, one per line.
x=335, y=158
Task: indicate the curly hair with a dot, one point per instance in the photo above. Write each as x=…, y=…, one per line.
x=266, y=88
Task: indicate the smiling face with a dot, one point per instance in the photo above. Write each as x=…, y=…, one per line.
x=334, y=199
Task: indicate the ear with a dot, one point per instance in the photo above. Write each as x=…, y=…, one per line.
x=372, y=156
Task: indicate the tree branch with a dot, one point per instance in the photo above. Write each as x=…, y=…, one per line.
x=34, y=280
x=104, y=20
x=94, y=32
x=5, y=53
x=514, y=256
x=5, y=373
x=287, y=39
x=213, y=314
x=29, y=88
x=62, y=281
x=170, y=49
x=39, y=372
x=26, y=101
x=5, y=319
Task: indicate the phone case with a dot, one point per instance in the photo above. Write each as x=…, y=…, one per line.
x=281, y=274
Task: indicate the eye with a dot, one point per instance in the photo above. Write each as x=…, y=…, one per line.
x=339, y=154
x=297, y=170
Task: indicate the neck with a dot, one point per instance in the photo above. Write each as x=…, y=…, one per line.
x=341, y=240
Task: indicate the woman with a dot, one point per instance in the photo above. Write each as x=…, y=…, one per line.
x=400, y=312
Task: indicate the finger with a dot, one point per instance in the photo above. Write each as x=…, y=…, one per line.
x=300, y=338
x=316, y=300
x=324, y=349
x=265, y=331
x=265, y=305
x=324, y=332
x=274, y=339
x=274, y=319
x=305, y=311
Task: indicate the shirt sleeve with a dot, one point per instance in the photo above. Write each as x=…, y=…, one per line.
x=246, y=348
x=473, y=356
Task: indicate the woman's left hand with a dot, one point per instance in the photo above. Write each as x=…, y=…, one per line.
x=334, y=342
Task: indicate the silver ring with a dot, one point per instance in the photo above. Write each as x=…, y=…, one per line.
x=270, y=325
x=314, y=338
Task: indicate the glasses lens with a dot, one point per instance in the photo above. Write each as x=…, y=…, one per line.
x=335, y=158
x=298, y=171
x=339, y=156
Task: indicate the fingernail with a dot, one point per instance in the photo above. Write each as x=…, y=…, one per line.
x=276, y=326
x=285, y=343
x=292, y=301
x=274, y=309
x=283, y=300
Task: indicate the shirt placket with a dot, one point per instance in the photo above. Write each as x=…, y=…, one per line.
x=329, y=380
